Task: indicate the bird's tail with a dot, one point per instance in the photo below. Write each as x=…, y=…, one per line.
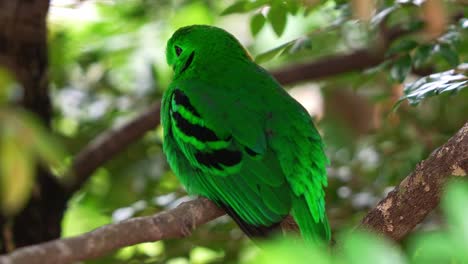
x=311, y=230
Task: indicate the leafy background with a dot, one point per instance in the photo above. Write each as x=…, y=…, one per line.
x=107, y=65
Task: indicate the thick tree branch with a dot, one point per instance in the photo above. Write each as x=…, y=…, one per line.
x=395, y=216
x=419, y=193
x=175, y=223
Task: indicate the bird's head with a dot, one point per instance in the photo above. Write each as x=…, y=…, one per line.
x=202, y=45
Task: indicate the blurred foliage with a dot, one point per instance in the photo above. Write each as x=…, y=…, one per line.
x=448, y=81
x=107, y=64
x=448, y=245
x=24, y=143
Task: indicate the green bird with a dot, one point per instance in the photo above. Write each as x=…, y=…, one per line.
x=234, y=135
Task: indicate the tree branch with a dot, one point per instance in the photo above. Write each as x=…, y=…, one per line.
x=108, y=144
x=175, y=223
x=395, y=216
x=419, y=193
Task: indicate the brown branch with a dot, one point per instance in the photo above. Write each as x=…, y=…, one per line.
x=419, y=193
x=175, y=223
x=395, y=216
x=357, y=60
x=108, y=144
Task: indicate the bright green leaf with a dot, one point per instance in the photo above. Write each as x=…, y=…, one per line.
x=256, y=23
x=16, y=171
x=401, y=68
x=278, y=17
x=432, y=248
x=202, y=255
x=291, y=250
x=434, y=84
x=454, y=203
x=362, y=248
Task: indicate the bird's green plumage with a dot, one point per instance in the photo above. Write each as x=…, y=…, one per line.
x=232, y=134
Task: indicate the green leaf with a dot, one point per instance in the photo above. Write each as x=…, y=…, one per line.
x=449, y=244
x=200, y=255
x=256, y=23
x=278, y=17
x=237, y=7
x=401, y=68
x=362, y=247
x=453, y=203
x=45, y=146
x=290, y=250
x=266, y=56
x=448, y=53
x=292, y=6
x=438, y=83
x=403, y=46
x=422, y=55
x=16, y=171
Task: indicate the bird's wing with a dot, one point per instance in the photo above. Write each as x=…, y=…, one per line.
x=223, y=137
x=301, y=155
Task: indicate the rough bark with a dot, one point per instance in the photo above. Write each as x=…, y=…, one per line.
x=395, y=216
x=419, y=193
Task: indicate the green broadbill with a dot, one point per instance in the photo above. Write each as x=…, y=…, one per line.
x=235, y=136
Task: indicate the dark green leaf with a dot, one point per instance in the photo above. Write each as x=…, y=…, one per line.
x=422, y=55
x=434, y=84
x=401, y=68
x=256, y=23
x=403, y=46
x=277, y=17
x=237, y=7
x=292, y=6
x=449, y=54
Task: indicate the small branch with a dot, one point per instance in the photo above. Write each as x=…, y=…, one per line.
x=175, y=223
x=108, y=144
x=325, y=67
x=419, y=193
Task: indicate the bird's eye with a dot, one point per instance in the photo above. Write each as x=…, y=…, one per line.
x=178, y=50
